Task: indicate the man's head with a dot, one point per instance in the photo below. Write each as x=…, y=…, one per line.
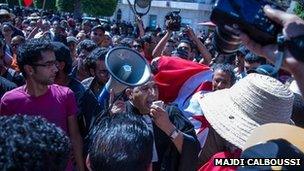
x=143, y=96
x=85, y=47
x=149, y=43
x=252, y=61
x=120, y=142
x=97, y=34
x=137, y=45
x=16, y=42
x=32, y=143
x=223, y=77
x=86, y=26
x=63, y=57
x=186, y=46
x=36, y=60
x=7, y=29
x=81, y=36
x=6, y=16
x=95, y=65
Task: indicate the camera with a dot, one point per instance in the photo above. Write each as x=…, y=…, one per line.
x=247, y=16
x=173, y=21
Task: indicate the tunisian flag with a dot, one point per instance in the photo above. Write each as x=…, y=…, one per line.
x=28, y=3
x=176, y=77
x=183, y=83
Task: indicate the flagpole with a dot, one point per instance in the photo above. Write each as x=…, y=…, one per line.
x=43, y=5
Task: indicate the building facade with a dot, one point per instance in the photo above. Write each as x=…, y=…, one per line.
x=192, y=12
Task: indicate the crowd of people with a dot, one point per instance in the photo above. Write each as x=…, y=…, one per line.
x=197, y=105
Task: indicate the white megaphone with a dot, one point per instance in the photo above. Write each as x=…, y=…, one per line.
x=127, y=68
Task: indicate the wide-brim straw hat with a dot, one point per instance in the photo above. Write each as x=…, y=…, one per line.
x=5, y=13
x=253, y=101
x=272, y=131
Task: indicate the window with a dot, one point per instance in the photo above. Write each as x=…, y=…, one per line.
x=152, y=21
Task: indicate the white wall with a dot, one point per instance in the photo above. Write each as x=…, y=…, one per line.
x=194, y=12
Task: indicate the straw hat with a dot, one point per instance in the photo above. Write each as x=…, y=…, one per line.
x=253, y=101
x=6, y=14
x=271, y=131
x=275, y=140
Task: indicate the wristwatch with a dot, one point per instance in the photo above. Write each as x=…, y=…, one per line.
x=174, y=134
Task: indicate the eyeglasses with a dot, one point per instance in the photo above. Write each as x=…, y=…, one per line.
x=47, y=64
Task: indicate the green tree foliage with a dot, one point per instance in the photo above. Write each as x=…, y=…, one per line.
x=299, y=10
x=12, y=2
x=99, y=7
x=3, y=1
x=65, y=5
x=49, y=4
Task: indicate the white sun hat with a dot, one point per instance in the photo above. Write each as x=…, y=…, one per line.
x=253, y=101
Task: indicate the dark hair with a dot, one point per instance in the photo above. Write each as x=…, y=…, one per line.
x=88, y=45
x=32, y=143
x=147, y=38
x=97, y=54
x=121, y=142
x=62, y=53
x=227, y=68
x=100, y=27
x=253, y=58
x=30, y=52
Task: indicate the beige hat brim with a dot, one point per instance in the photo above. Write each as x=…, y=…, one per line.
x=264, y=133
x=229, y=121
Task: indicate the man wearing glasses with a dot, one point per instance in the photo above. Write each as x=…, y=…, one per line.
x=39, y=96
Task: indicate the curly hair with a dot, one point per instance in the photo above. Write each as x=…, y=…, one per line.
x=87, y=45
x=30, y=52
x=97, y=54
x=32, y=143
x=226, y=68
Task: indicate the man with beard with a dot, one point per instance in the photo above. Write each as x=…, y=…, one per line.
x=96, y=67
x=39, y=96
x=87, y=103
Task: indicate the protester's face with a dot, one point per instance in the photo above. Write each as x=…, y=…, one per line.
x=168, y=49
x=101, y=72
x=15, y=44
x=97, y=36
x=136, y=46
x=7, y=31
x=80, y=37
x=221, y=80
x=82, y=54
x=185, y=46
x=251, y=66
x=143, y=96
x=106, y=41
x=45, y=69
x=86, y=27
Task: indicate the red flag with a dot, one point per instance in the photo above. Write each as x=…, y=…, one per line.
x=28, y=3
x=174, y=77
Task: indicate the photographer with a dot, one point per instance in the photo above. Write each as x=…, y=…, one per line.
x=293, y=26
x=173, y=24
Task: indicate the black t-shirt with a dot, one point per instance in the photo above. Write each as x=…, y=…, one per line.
x=6, y=85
